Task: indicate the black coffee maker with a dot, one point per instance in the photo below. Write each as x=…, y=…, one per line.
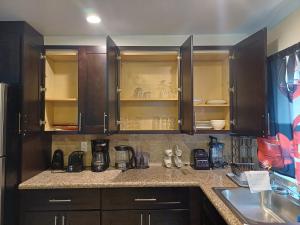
x=100, y=155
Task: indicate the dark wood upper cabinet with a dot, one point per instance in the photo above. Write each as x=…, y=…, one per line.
x=27, y=148
x=20, y=67
x=10, y=45
x=186, y=86
x=248, y=85
x=113, y=97
x=92, y=89
x=31, y=67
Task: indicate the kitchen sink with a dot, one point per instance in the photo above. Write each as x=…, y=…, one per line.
x=264, y=207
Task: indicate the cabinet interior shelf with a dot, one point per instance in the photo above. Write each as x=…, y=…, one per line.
x=211, y=105
x=149, y=99
x=61, y=99
x=68, y=128
x=211, y=131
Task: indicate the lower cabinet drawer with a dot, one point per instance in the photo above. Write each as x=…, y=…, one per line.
x=67, y=199
x=145, y=198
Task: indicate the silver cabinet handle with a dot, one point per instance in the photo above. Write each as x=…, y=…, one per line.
x=104, y=122
x=149, y=219
x=145, y=199
x=19, y=123
x=169, y=203
x=268, y=123
x=55, y=220
x=63, y=220
x=79, y=122
x=59, y=200
x=141, y=223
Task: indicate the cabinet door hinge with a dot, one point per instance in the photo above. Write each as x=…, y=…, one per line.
x=119, y=58
x=118, y=122
x=179, y=122
x=232, y=122
x=42, y=122
x=119, y=89
x=232, y=57
x=42, y=56
x=179, y=89
x=179, y=58
x=43, y=89
x=232, y=89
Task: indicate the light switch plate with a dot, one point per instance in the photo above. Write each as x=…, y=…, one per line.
x=84, y=146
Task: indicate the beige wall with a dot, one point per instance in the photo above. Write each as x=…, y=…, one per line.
x=284, y=34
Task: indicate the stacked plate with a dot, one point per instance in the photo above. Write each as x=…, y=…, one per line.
x=203, y=124
x=216, y=102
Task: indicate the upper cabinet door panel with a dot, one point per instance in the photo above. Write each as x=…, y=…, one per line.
x=10, y=58
x=92, y=89
x=186, y=85
x=248, y=79
x=31, y=79
x=113, y=53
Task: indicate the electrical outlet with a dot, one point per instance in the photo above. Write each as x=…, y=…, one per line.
x=84, y=146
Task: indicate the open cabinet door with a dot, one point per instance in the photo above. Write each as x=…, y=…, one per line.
x=186, y=86
x=112, y=116
x=248, y=85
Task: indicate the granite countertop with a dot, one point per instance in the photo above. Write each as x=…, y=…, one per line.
x=155, y=176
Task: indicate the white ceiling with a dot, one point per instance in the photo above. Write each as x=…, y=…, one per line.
x=144, y=17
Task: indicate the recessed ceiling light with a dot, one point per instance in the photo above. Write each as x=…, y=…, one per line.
x=93, y=19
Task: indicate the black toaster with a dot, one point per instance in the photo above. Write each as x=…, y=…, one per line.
x=199, y=159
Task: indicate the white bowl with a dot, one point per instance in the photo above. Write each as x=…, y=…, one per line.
x=199, y=101
x=218, y=124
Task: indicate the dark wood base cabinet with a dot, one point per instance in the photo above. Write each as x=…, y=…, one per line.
x=150, y=217
x=124, y=217
x=209, y=214
x=62, y=218
x=118, y=206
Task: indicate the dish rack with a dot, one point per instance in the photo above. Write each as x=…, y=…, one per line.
x=238, y=176
x=239, y=168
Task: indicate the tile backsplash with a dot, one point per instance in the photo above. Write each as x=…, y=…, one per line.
x=155, y=144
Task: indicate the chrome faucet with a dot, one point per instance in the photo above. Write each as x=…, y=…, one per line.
x=284, y=185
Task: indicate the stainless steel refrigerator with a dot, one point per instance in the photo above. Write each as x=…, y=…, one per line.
x=3, y=101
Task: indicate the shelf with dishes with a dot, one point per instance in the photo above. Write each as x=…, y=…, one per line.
x=211, y=95
x=210, y=125
x=149, y=123
x=148, y=91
